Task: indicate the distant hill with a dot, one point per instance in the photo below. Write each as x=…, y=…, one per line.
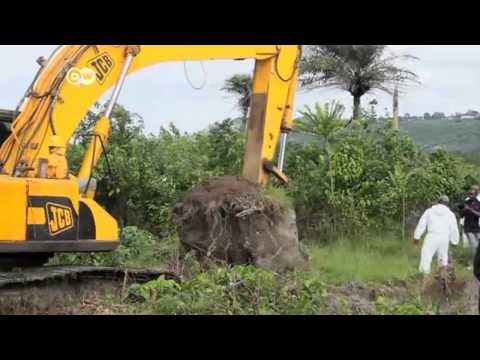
x=456, y=135
x=462, y=136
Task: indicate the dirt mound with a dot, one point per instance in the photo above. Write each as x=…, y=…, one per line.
x=450, y=293
x=230, y=220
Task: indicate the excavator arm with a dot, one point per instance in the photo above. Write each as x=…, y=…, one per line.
x=44, y=209
x=76, y=76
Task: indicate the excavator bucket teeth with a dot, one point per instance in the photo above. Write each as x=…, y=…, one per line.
x=275, y=171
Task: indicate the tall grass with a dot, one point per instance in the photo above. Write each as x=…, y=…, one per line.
x=369, y=257
x=376, y=257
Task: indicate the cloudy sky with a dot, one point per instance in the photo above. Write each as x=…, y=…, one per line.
x=450, y=76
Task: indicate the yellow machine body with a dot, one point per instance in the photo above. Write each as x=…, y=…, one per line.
x=41, y=215
x=44, y=208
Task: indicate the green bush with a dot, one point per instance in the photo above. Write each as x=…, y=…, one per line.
x=370, y=178
x=240, y=290
x=415, y=306
x=137, y=248
x=150, y=173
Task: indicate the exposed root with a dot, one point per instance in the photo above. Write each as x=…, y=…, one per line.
x=228, y=219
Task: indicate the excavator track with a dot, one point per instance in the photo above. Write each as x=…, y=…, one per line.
x=54, y=274
x=70, y=290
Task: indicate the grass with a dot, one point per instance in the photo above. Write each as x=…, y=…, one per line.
x=279, y=196
x=372, y=257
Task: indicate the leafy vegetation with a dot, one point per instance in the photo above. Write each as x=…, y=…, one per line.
x=357, y=192
x=349, y=180
x=241, y=290
x=324, y=289
x=150, y=173
x=138, y=248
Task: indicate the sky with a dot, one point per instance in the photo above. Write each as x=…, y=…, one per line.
x=449, y=75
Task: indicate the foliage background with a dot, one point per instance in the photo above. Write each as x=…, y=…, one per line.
x=362, y=177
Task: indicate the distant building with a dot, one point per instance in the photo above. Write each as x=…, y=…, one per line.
x=470, y=115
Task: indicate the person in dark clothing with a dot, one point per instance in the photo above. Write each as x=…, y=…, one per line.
x=476, y=272
x=471, y=212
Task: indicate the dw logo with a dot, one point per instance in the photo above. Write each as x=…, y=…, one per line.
x=85, y=76
x=59, y=217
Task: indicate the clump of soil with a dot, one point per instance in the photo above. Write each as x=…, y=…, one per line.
x=228, y=219
x=450, y=293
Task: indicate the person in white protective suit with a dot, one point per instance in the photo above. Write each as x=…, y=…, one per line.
x=441, y=226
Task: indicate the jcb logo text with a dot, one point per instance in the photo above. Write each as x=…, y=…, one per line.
x=59, y=217
x=102, y=65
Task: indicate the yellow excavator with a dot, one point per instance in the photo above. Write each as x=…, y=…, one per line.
x=44, y=209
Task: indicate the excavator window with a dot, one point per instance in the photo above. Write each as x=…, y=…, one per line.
x=4, y=132
x=6, y=118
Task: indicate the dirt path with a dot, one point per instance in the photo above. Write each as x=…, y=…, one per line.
x=405, y=298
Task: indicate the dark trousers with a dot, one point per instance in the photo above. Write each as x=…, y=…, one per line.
x=476, y=264
x=476, y=271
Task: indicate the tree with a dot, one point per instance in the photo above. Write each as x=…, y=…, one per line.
x=396, y=119
x=241, y=86
x=427, y=116
x=324, y=122
x=125, y=125
x=387, y=113
x=357, y=69
x=371, y=114
x=83, y=133
x=472, y=113
x=438, y=115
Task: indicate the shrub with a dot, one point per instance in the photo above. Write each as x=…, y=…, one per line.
x=240, y=290
x=137, y=248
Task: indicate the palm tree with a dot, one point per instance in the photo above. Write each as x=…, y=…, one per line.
x=324, y=122
x=357, y=69
x=241, y=86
